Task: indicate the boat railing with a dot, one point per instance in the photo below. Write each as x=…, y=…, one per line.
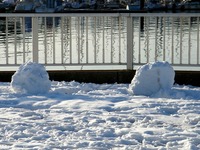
x=103, y=41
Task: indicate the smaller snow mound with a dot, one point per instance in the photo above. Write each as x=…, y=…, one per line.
x=151, y=78
x=31, y=78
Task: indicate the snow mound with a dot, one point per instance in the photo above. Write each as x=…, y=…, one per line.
x=151, y=78
x=31, y=78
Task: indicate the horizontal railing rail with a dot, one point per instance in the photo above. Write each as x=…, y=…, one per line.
x=75, y=41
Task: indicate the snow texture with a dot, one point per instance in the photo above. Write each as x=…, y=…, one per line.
x=31, y=78
x=151, y=78
x=86, y=116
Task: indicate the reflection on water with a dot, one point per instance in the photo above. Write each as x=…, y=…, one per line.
x=170, y=39
x=100, y=39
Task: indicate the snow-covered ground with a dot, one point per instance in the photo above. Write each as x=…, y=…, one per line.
x=74, y=115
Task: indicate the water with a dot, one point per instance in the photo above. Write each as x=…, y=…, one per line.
x=99, y=40
x=171, y=39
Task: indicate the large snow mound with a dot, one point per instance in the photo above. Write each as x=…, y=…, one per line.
x=31, y=78
x=151, y=78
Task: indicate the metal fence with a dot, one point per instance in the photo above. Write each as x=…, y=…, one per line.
x=99, y=40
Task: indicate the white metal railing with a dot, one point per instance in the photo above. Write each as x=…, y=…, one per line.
x=100, y=40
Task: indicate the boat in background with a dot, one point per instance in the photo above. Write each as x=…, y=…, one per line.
x=189, y=5
x=25, y=6
x=7, y=6
x=113, y=4
x=49, y=6
x=39, y=6
x=135, y=5
x=155, y=5
x=82, y=4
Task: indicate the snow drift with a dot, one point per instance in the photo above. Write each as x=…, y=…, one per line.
x=151, y=78
x=31, y=78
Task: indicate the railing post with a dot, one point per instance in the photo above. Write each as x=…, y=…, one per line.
x=129, y=43
x=35, y=38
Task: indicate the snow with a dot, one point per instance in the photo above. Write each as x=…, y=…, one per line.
x=74, y=115
x=151, y=78
x=31, y=78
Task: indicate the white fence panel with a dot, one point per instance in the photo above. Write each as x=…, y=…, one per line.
x=100, y=40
